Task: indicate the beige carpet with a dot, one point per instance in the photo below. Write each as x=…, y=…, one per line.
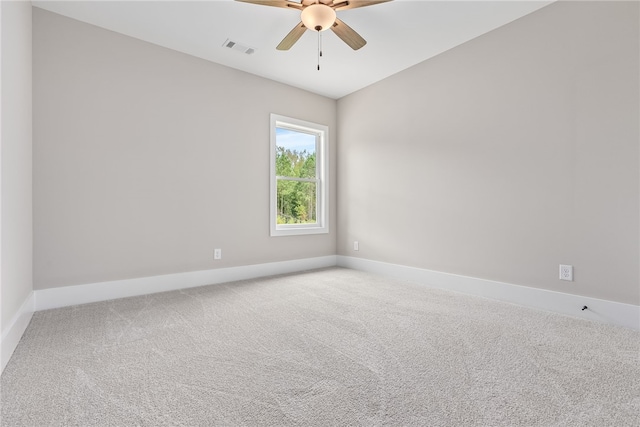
x=323, y=348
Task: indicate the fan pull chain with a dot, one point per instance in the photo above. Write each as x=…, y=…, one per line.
x=319, y=48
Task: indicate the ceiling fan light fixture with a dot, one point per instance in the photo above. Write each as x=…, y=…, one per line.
x=319, y=17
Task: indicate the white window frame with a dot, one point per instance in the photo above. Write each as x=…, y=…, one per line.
x=322, y=176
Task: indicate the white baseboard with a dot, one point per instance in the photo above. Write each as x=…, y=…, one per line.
x=94, y=292
x=11, y=334
x=616, y=313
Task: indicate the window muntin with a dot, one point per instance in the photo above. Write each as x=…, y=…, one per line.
x=298, y=177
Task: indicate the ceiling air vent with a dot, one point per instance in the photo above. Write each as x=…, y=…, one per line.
x=238, y=46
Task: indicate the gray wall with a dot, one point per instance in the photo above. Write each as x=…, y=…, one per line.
x=146, y=159
x=506, y=156
x=16, y=225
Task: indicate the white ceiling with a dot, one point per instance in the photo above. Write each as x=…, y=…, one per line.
x=400, y=34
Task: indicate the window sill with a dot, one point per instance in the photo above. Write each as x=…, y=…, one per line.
x=298, y=231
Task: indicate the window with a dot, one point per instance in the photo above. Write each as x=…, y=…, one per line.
x=298, y=177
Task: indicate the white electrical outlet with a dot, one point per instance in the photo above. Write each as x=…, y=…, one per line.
x=356, y=246
x=566, y=272
x=217, y=254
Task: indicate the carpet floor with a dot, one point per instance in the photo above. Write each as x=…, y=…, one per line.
x=332, y=347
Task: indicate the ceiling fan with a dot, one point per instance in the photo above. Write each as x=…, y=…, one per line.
x=319, y=15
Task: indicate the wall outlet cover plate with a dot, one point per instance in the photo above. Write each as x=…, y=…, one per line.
x=566, y=272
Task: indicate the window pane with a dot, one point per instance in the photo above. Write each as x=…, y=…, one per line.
x=295, y=153
x=296, y=202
